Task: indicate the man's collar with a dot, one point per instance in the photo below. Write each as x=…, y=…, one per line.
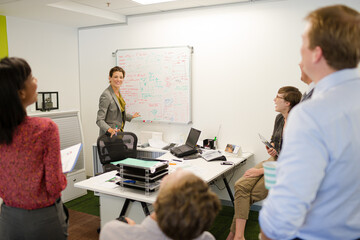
x=336, y=78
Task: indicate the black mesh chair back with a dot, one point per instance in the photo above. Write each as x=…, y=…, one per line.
x=112, y=149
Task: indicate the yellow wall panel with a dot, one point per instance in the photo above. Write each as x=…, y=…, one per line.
x=3, y=38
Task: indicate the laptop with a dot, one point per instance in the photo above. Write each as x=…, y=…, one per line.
x=189, y=147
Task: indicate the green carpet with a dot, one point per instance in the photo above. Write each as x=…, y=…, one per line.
x=222, y=223
x=220, y=229
x=88, y=203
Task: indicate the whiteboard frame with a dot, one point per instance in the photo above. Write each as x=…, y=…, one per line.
x=114, y=54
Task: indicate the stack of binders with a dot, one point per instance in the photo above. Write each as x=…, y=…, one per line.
x=142, y=174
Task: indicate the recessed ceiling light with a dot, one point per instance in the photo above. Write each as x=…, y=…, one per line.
x=145, y=2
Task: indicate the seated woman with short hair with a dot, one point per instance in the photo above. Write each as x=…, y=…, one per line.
x=250, y=188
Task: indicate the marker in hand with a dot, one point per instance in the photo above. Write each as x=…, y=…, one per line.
x=116, y=130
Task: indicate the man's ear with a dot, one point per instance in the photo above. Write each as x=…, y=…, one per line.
x=317, y=54
x=153, y=216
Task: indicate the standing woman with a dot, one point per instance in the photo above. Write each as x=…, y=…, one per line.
x=31, y=177
x=250, y=188
x=111, y=115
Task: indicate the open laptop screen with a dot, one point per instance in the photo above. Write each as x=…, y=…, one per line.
x=193, y=137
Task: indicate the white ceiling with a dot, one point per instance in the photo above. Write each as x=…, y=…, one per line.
x=98, y=11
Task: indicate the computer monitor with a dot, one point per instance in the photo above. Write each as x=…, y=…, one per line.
x=193, y=137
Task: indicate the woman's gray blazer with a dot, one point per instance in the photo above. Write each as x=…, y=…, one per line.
x=109, y=113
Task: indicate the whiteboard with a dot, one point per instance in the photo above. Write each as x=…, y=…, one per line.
x=157, y=83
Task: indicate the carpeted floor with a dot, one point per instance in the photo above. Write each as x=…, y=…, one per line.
x=84, y=220
x=222, y=223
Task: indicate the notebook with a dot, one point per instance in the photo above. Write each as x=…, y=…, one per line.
x=69, y=157
x=189, y=147
x=265, y=141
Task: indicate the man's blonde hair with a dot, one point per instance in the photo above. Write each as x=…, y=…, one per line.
x=336, y=30
x=186, y=208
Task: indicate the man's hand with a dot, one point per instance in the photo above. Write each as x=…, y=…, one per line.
x=130, y=221
x=263, y=236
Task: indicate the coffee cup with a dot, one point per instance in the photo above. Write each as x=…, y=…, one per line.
x=270, y=173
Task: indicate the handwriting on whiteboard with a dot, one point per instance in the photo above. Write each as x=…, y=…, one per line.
x=157, y=83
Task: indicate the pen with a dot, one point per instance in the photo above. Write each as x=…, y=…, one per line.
x=116, y=128
x=177, y=160
x=129, y=181
x=172, y=163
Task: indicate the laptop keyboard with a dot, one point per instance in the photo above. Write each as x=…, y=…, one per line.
x=184, y=148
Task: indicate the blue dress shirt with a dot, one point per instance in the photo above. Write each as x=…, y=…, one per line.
x=317, y=194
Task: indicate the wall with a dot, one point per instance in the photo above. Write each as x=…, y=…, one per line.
x=3, y=37
x=52, y=52
x=243, y=53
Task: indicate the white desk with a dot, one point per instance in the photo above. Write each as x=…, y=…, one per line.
x=112, y=196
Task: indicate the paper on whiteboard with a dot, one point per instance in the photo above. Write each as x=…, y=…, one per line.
x=69, y=157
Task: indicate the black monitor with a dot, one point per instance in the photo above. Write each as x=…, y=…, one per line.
x=193, y=137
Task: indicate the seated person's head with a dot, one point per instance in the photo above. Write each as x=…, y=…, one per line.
x=291, y=95
x=185, y=206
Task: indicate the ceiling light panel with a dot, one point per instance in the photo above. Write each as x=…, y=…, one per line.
x=113, y=4
x=147, y=2
x=140, y=9
x=219, y=2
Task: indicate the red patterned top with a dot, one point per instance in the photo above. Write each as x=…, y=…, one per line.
x=30, y=167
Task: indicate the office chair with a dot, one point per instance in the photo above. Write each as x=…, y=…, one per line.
x=115, y=148
x=119, y=147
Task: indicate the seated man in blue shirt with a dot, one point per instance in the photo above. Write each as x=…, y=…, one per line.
x=318, y=185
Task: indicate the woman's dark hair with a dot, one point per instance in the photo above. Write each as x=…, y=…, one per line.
x=116, y=69
x=13, y=74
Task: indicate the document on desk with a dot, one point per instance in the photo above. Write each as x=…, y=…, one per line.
x=157, y=143
x=195, y=170
x=140, y=163
x=109, y=183
x=69, y=157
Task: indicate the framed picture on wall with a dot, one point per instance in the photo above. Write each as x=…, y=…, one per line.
x=47, y=101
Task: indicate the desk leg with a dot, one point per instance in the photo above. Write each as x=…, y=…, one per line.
x=125, y=207
x=145, y=208
x=229, y=190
